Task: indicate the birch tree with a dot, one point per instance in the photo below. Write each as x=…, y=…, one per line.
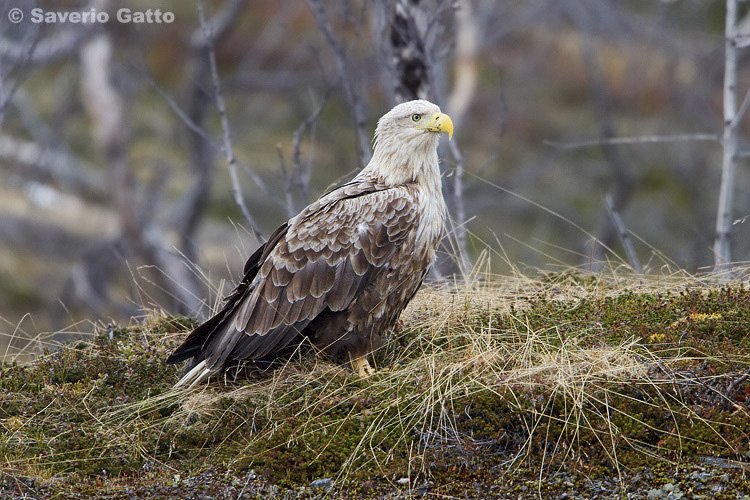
x=730, y=143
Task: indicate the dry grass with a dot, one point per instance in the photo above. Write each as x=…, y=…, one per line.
x=448, y=352
x=503, y=374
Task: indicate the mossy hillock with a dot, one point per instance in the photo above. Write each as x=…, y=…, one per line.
x=494, y=388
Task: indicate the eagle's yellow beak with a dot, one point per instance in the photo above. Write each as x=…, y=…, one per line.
x=438, y=122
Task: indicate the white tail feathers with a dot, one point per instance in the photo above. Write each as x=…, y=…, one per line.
x=194, y=376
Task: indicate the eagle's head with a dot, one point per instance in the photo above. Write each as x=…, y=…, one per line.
x=416, y=122
x=406, y=140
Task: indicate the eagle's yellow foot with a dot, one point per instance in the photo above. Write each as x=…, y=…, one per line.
x=362, y=366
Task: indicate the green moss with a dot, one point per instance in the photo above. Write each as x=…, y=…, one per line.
x=105, y=404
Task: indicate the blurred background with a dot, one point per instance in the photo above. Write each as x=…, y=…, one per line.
x=117, y=194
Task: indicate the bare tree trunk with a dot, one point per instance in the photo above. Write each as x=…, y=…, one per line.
x=466, y=65
x=409, y=28
x=722, y=247
x=407, y=53
x=106, y=111
x=202, y=164
x=458, y=102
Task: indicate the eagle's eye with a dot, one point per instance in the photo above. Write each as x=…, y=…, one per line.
x=416, y=117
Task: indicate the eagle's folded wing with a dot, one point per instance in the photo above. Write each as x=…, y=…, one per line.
x=322, y=260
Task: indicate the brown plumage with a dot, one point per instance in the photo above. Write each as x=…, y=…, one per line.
x=343, y=269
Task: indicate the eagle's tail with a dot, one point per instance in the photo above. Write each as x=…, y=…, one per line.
x=196, y=375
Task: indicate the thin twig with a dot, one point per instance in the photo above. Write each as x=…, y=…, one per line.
x=33, y=161
x=464, y=263
x=743, y=109
x=355, y=104
x=735, y=383
x=49, y=50
x=190, y=123
x=288, y=176
x=623, y=234
x=301, y=176
x=236, y=190
x=645, y=139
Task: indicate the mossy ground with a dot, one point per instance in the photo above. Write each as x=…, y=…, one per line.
x=504, y=387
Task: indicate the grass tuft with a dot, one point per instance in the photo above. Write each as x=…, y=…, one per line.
x=564, y=372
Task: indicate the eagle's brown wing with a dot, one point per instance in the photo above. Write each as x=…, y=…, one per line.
x=195, y=343
x=318, y=262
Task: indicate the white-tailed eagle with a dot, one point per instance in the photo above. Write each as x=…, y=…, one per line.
x=340, y=272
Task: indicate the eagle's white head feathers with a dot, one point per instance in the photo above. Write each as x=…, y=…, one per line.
x=406, y=141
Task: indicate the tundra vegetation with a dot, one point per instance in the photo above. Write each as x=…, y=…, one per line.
x=628, y=382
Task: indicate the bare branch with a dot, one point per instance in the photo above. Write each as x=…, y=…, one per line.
x=42, y=238
x=218, y=26
x=201, y=146
x=105, y=108
x=258, y=181
x=743, y=109
x=735, y=383
x=49, y=50
x=219, y=97
x=464, y=263
x=622, y=233
x=644, y=139
x=44, y=164
x=200, y=132
x=356, y=108
x=301, y=174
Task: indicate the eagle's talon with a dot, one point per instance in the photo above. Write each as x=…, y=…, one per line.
x=362, y=366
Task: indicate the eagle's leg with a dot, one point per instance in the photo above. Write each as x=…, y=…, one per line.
x=362, y=366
